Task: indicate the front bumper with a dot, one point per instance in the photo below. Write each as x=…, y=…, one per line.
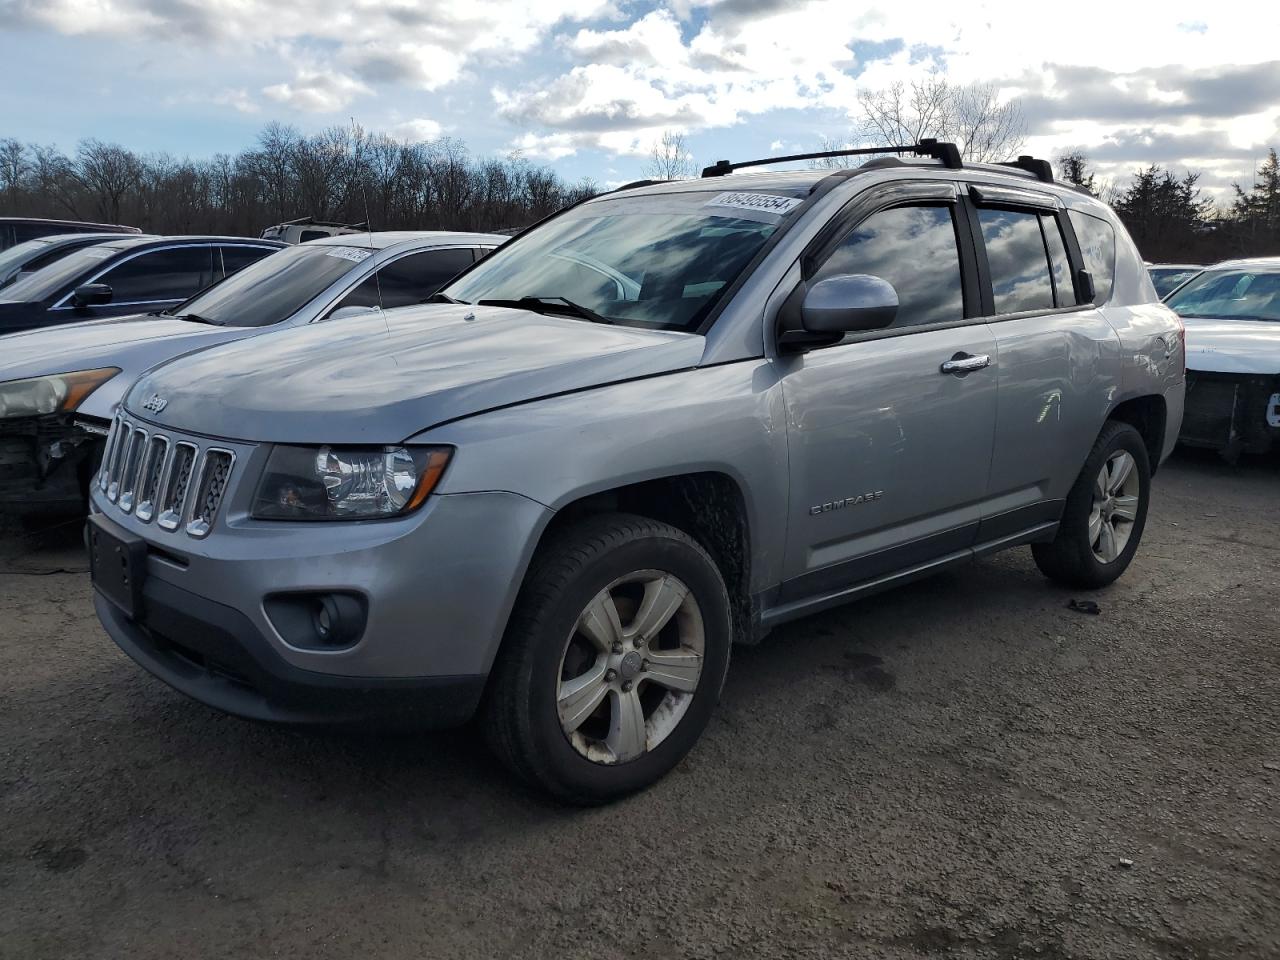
x=438, y=586
x=215, y=655
x=48, y=459
x=1234, y=413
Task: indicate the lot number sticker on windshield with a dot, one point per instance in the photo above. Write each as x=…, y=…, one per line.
x=764, y=202
x=353, y=254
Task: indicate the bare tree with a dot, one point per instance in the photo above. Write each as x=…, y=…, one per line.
x=970, y=115
x=424, y=185
x=107, y=172
x=669, y=158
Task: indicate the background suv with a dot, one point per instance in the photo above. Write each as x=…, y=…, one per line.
x=670, y=417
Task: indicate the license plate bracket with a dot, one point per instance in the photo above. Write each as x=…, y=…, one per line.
x=117, y=565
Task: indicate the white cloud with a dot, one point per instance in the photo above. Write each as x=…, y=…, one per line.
x=316, y=92
x=416, y=130
x=368, y=42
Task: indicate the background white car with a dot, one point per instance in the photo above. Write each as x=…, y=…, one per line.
x=1232, y=315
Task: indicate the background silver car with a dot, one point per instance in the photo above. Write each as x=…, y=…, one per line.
x=59, y=387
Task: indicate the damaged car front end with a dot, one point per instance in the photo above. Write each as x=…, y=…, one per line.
x=48, y=450
x=1232, y=318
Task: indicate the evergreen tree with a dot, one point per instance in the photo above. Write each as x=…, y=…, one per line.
x=1256, y=212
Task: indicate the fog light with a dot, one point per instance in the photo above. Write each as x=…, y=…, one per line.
x=338, y=619
x=318, y=621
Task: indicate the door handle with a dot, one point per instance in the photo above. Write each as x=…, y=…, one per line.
x=966, y=362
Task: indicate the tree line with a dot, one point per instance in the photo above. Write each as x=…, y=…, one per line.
x=342, y=173
x=349, y=175
x=1171, y=220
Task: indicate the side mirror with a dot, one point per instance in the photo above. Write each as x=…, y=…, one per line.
x=91, y=294
x=343, y=312
x=848, y=303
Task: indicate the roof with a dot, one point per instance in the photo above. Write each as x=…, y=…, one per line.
x=799, y=183
x=795, y=182
x=381, y=239
x=54, y=238
x=112, y=227
x=1248, y=263
x=131, y=241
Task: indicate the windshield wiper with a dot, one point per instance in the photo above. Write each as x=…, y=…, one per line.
x=441, y=298
x=549, y=305
x=196, y=318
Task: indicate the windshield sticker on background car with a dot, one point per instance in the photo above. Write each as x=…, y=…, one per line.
x=764, y=202
x=354, y=254
x=99, y=253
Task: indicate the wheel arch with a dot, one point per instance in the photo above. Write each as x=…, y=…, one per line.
x=709, y=505
x=1148, y=414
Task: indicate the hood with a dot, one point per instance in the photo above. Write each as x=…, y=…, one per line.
x=131, y=343
x=383, y=378
x=1233, y=346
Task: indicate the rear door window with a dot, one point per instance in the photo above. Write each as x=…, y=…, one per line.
x=237, y=258
x=409, y=280
x=159, y=275
x=1016, y=256
x=915, y=249
x=1098, y=248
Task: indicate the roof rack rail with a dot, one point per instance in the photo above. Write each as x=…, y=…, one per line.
x=636, y=183
x=313, y=222
x=1042, y=169
x=948, y=153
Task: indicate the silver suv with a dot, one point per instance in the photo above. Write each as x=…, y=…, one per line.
x=668, y=418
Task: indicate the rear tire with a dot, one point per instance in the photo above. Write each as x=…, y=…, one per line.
x=613, y=660
x=1105, y=513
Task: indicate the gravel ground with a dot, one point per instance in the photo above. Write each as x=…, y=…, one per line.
x=963, y=768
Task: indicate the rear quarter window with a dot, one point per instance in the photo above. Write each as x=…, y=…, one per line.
x=1097, y=242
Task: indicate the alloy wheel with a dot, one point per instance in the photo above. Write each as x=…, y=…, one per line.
x=630, y=667
x=1116, y=492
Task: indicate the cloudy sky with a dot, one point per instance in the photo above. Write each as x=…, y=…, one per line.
x=587, y=85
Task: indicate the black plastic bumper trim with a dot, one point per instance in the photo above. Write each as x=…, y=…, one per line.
x=214, y=654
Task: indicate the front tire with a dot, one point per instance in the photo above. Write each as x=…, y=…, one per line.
x=613, y=661
x=1105, y=513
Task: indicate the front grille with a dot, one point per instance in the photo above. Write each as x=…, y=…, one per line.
x=131, y=465
x=173, y=500
x=152, y=472
x=174, y=482
x=214, y=473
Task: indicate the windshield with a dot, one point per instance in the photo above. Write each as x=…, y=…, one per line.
x=49, y=280
x=653, y=261
x=17, y=256
x=274, y=288
x=1168, y=279
x=1229, y=295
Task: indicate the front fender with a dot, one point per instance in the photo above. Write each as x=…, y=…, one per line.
x=725, y=419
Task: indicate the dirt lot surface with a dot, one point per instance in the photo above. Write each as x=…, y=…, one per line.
x=960, y=768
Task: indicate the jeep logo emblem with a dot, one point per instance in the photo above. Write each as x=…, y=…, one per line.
x=830, y=505
x=155, y=403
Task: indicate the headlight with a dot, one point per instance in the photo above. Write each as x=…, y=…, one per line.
x=57, y=393
x=347, y=483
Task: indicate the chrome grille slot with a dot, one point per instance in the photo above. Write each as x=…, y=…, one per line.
x=153, y=467
x=121, y=459
x=110, y=471
x=215, y=471
x=108, y=451
x=177, y=482
x=131, y=467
